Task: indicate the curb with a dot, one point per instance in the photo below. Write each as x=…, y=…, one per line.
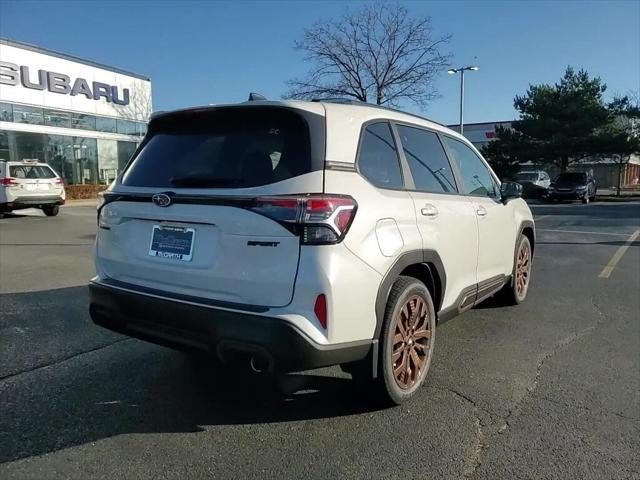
x=91, y=202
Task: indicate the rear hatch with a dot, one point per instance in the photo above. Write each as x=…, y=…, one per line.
x=33, y=180
x=202, y=208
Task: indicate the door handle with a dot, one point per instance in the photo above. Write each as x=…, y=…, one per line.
x=429, y=210
x=481, y=211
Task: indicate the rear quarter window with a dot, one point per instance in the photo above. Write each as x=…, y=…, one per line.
x=225, y=148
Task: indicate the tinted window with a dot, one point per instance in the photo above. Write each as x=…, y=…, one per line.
x=475, y=174
x=572, y=177
x=378, y=159
x=527, y=176
x=225, y=148
x=427, y=160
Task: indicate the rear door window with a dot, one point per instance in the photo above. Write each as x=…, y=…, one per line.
x=225, y=148
x=427, y=160
x=378, y=158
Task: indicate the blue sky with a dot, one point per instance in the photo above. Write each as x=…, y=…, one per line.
x=215, y=52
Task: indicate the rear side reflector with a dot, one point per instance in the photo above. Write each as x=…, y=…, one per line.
x=320, y=309
x=318, y=219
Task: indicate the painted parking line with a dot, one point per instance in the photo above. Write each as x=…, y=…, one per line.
x=606, y=271
x=582, y=232
x=537, y=219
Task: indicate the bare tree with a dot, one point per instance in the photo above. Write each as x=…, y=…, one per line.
x=379, y=53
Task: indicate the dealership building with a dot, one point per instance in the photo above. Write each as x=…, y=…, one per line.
x=83, y=118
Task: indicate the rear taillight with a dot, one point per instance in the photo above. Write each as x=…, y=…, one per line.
x=8, y=182
x=318, y=219
x=59, y=181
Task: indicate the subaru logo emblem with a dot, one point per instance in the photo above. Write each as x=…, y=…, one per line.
x=161, y=199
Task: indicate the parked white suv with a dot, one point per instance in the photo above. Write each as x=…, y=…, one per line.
x=539, y=178
x=294, y=235
x=30, y=184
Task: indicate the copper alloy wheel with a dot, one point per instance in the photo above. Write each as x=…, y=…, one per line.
x=523, y=269
x=411, y=342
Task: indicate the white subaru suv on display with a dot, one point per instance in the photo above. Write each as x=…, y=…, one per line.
x=30, y=184
x=292, y=235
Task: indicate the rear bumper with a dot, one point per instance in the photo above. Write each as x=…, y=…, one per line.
x=566, y=195
x=224, y=333
x=31, y=201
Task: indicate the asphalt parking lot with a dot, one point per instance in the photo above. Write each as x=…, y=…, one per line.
x=549, y=389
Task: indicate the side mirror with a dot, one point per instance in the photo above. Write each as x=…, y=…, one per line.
x=509, y=191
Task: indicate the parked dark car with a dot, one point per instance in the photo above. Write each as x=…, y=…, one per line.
x=573, y=186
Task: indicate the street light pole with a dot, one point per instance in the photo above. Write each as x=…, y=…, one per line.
x=461, y=102
x=453, y=71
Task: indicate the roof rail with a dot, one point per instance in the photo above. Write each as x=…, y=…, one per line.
x=346, y=101
x=349, y=101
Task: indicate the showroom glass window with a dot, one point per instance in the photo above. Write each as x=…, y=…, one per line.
x=106, y=124
x=378, y=158
x=31, y=115
x=107, y=160
x=477, y=179
x=427, y=160
x=127, y=127
x=83, y=122
x=29, y=146
x=56, y=118
x=59, y=154
x=85, y=159
x=6, y=112
x=4, y=146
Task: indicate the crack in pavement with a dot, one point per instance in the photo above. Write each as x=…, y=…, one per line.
x=61, y=360
x=561, y=345
x=482, y=438
x=591, y=410
x=481, y=444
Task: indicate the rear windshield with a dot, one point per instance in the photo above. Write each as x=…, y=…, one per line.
x=226, y=148
x=30, y=171
x=571, y=177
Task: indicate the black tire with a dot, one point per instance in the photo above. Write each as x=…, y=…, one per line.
x=51, y=210
x=409, y=309
x=513, y=292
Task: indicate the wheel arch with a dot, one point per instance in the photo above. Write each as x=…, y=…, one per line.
x=527, y=228
x=424, y=265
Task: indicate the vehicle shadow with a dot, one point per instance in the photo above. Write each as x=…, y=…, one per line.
x=134, y=387
x=593, y=210
x=11, y=215
x=614, y=243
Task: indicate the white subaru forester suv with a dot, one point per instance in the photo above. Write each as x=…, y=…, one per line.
x=294, y=235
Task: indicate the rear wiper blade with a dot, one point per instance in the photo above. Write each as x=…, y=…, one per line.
x=203, y=181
